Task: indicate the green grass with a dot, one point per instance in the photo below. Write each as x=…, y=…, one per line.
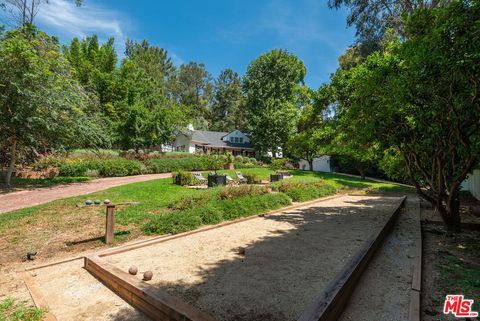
x=156, y=195
x=459, y=269
x=165, y=208
x=11, y=310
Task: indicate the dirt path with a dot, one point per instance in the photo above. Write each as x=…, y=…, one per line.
x=17, y=200
x=384, y=290
x=289, y=257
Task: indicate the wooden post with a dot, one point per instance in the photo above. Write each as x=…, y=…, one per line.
x=110, y=224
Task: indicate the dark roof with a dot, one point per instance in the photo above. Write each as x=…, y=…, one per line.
x=214, y=139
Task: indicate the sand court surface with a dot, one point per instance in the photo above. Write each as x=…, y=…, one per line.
x=265, y=268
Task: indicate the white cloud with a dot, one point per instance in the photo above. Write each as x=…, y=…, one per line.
x=65, y=18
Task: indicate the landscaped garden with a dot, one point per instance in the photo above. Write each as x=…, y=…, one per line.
x=163, y=208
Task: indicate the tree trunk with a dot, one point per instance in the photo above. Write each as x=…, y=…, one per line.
x=13, y=159
x=361, y=170
x=450, y=212
x=310, y=164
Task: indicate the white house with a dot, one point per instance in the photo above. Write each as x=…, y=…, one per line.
x=472, y=184
x=320, y=164
x=204, y=141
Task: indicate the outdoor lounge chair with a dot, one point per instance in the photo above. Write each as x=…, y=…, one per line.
x=230, y=180
x=241, y=177
x=198, y=176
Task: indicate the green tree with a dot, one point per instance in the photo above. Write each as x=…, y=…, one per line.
x=227, y=102
x=95, y=68
x=147, y=116
x=192, y=87
x=421, y=99
x=372, y=18
x=40, y=103
x=271, y=86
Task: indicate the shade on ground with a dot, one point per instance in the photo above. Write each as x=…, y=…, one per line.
x=289, y=259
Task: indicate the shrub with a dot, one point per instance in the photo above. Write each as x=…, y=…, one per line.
x=73, y=168
x=229, y=158
x=190, y=201
x=238, y=158
x=278, y=163
x=116, y=167
x=183, y=178
x=252, y=160
x=244, y=165
x=46, y=162
x=214, y=212
x=105, y=168
x=252, y=178
x=232, y=192
x=197, y=163
x=303, y=191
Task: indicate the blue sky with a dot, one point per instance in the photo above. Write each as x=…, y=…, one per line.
x=221, y=34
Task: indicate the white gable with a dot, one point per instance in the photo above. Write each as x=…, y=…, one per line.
x=236, y=137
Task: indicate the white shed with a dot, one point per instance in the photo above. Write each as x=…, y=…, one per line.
x=320, y=164
x=472, y=184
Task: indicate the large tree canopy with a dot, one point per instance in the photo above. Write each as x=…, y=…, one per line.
x=372, y=18
x=271, y=84
x=227, y=102
x=420, y=99
x=41, y=105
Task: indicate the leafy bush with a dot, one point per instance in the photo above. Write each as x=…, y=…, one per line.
x=198, y=163
x=93, y=154
x=191, y=201
x=244, y=165
x=231, y=192
x=46, y=162
x=183, y=178
x=214, y=212
x=105, y=168
x=230, y=158
x=73, y=168
x=252, y=160
x=278, y=163
x=238, y=158
x=304, y=191
x=252, y=178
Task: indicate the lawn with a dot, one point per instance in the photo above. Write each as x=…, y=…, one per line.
x=164, y=208
x=19, y=183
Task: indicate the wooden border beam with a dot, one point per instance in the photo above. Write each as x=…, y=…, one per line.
x=330, y=304
x=152, y=301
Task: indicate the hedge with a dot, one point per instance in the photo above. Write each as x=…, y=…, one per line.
x=125, y=167
x=214, y=212
x=105, y=168
x=198, y=163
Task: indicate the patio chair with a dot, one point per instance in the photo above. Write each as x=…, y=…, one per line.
x=241, y=177
x=199, y=177
x=230, y=180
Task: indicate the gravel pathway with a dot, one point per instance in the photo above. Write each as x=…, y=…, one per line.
x=22, y=199
x=384, y=291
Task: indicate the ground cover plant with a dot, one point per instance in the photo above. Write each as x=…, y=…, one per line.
x=164, y=208
x=12, y=310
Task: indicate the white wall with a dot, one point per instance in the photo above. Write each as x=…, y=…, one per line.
x=472, y=184
x=320, y=164
x=236, y=133
x=185, y=142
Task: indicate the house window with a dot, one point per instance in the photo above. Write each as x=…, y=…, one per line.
x=236, y=139
x=240, y=140
x=231, y=139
